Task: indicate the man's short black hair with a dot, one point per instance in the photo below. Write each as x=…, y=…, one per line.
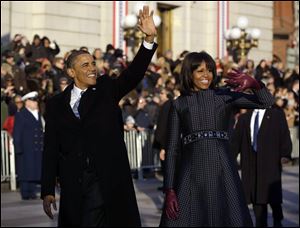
x=71, y=59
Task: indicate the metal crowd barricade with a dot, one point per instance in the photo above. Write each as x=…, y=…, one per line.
x=7, y=160
x=140, y=152
x=139, y=147
x=294, y=131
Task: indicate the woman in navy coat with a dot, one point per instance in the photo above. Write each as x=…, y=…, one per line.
x=206, y=190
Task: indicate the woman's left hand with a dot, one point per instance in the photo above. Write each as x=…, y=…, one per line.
x=241, y=81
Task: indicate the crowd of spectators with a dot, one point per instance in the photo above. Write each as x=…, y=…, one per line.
x=39, y=66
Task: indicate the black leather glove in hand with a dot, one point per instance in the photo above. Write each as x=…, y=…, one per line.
x=171, y=206
x=241, y=81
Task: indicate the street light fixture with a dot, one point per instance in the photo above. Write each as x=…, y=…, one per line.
x=132, y=34
x=241, y=39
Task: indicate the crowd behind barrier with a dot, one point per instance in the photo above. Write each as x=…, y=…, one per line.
x=39, y=66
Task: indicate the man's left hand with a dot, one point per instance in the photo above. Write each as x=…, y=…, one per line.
x=146, y=23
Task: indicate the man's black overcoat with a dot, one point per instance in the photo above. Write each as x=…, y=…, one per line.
x=261, y=174
x=100, y=133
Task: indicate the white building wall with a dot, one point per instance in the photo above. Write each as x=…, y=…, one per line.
x=5, y=19
x=78, y=23
x=194, y=26
x=260, y=15
x=204, y=27
x=71, y=24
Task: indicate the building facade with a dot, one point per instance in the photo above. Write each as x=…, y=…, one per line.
x=186, y=25
x=285, y=32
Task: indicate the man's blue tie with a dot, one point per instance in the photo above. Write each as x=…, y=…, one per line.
x=255, y=132
x=76, y=105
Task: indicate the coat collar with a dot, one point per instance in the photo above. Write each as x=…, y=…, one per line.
x=30, y=115
x=65, y=106
x=264, y=123
x=86, y=102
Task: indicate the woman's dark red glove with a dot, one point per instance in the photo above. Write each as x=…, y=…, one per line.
x=171, y=204
x=241, y=81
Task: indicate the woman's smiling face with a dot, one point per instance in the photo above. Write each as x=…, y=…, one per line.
x=202, y=77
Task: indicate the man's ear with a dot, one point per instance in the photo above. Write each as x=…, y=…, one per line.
x=71, y=72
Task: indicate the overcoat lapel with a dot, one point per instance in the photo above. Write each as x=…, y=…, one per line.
x=87, y=101
x=65, y=105
x=264, y=124
x=248, y=127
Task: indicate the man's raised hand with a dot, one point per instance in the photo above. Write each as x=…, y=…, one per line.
x=146, y=23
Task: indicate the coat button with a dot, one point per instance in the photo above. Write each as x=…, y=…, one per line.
x=79, y=180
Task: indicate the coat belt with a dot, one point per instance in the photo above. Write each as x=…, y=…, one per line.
x=205, y=135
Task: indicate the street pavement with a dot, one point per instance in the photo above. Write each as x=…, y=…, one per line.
x=18, y=213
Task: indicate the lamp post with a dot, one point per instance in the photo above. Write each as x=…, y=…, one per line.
x=132, y=35
x=240, y=39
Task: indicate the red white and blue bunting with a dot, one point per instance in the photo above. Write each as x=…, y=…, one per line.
x=120, y=10
x=223, y=25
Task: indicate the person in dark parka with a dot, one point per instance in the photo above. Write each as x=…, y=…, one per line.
x=36, y=50
x=51, y=53
x=207, y=189
x=160, y=134
x=28, y=138
x=84, y=143
x=261, y=168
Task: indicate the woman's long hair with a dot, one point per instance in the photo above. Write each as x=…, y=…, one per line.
x=190, y=63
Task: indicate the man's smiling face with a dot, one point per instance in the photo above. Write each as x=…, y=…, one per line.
x=84, y=71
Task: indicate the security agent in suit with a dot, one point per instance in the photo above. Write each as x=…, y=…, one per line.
x=84, y=143
x=263, y=139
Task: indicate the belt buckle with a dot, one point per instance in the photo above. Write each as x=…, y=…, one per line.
x=184, y=141
x=201, y=134
x=226, y=135
x=194, y=137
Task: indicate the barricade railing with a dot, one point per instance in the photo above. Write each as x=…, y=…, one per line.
x=294, y=131
x=8, y=173
x=139, y=147
x=140, y=151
